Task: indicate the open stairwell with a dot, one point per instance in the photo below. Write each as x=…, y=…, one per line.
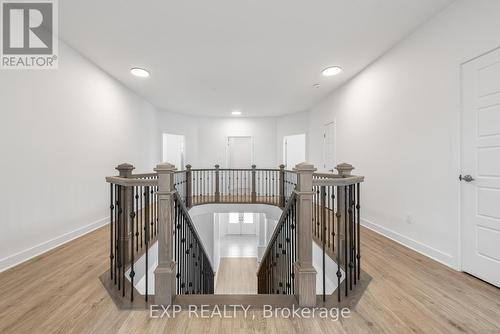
x=312, y=250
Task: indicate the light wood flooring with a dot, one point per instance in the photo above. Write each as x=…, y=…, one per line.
x=236, y=275
x=60, y=292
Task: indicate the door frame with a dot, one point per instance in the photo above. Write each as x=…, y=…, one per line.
x=285, y=148
x=461, y=155
x=334, y=122
x=251, y=150
x=183, y=153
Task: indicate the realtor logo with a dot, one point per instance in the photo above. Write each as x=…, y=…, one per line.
x=29, y=39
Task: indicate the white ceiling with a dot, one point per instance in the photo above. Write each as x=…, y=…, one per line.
x=259, y=56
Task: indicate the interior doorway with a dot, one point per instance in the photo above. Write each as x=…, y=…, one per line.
x=239, y=152
x=329, y=158
x=294, y=150
x=240, y=223
x=173, y=150
x=480, y=179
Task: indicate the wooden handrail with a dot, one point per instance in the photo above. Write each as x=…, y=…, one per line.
x=131, y=182
x=338, y=180
x=143, y=175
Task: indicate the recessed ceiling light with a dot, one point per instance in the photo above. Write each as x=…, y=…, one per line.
x=330, y=71
x=139, y=72
x=236, y=113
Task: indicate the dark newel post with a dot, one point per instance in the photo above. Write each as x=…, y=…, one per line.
x=125, y=171
x=217, y=184
x=254, y=194
x=282, y=186
x=165, y=271
x=189, y=193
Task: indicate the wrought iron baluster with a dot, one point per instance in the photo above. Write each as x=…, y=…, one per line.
x=111, y=221
x=346, y=260
x=359, y=229
x=156, y=206
x=146, y=236
x=323, y=236
x=339, y=217
x=120, y=240
x=349, y=210
x=353, y=229
x=152, y=216
x=132, y=220
x=333, y=220
x=143, y=214
x=136, y=210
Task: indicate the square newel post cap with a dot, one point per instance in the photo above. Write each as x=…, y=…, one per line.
x=304, y=167
x=165, y=167
x=344, y=169
x=125, y=169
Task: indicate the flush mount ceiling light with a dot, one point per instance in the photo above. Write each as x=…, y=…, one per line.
x=331, y=71
x=316, y=85
x=139, y=72
x=236, y=113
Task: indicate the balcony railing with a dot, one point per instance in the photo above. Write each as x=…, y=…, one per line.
x=333, y=216
x=219, y=185
x=153, y=207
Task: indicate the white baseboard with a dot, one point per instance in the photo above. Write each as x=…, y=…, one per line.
x=417, y=246
x=25, y=255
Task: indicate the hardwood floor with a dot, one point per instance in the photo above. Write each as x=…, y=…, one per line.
x=236, y=275
x=60, y=292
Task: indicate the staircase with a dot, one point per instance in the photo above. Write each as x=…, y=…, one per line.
x=320, y=221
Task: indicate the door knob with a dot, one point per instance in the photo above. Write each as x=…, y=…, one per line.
x=466, y=178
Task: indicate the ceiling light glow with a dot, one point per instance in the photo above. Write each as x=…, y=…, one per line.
x=139, y=72
x=236, y=113
x=331, y=71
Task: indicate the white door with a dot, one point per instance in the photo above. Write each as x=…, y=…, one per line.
x=480, y=188
x=173, y=150
x=294, y=150
x=239, y=152
x=329, y=146
x=241, y=223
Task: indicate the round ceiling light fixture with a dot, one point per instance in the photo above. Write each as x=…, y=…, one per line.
x=236, y=113
x=331, y=71
x=139, y=72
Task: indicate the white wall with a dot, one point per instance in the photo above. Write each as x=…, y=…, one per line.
x=398, y=124
x=206, y=137
x=213, y=133
x=288, y=125
x=173, y=149
x=179, y=124
x=205, y=227
x=62, y=131
x=295, y=150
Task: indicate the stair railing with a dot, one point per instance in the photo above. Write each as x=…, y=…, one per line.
x=275, y=274
x=153, y=207
x=133, y=225
x=194, y=271
x=336, y=224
